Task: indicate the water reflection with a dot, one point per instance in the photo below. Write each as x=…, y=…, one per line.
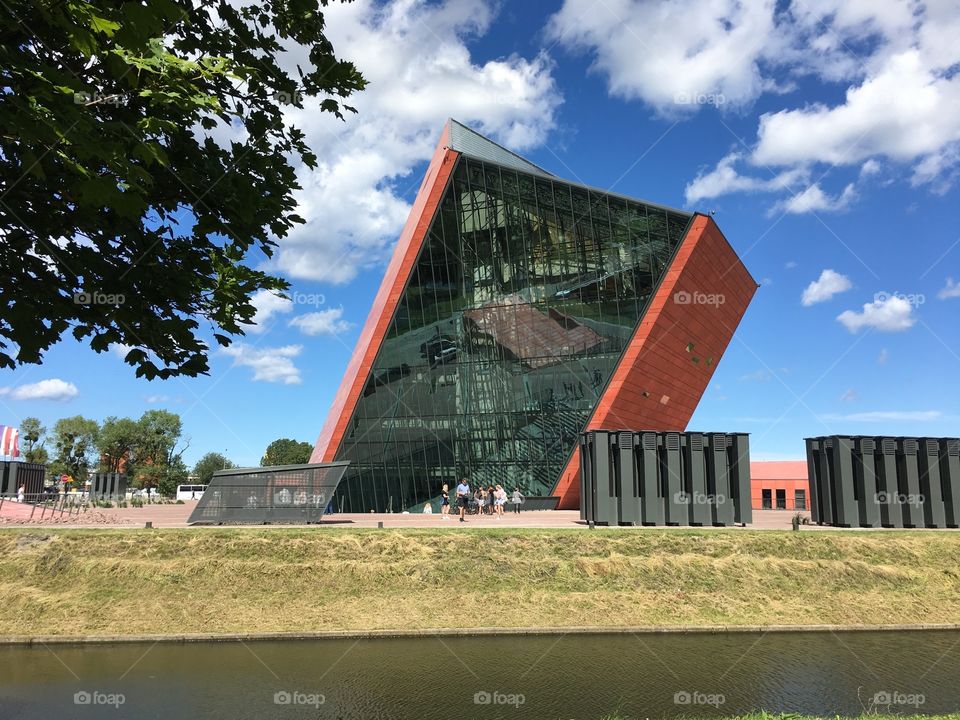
x=544, y=677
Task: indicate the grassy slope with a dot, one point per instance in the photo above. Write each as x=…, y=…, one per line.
x=78, y=582
x=791, y=716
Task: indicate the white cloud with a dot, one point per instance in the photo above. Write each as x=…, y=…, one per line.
x=725, y=179
x=152, y=399
x=268, y=364
x=120, y=350
x=890, y=314
x=887, y=416
x=896, y=62
x=813, y=199
x=884, y=357
x=825, y=287
x=416, y=58
x=52, y=389
x=322, y=322
x=267, y=304
x=950, y=290
x=790, y=264
x=639, y=48
x=849, y=396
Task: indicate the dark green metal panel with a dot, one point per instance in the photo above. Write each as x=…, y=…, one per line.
x=929, y=466
x=718, y=479
x=844, y=497
x=909, y=482
x=648, y=464
x=891, y=513
x=738, y=448
x=696, y=481
x=950, y=479
x=865, y=478
x=673, y=468
x=586, y=477
x=604, y=491
x=813, y=472
x=629, y=495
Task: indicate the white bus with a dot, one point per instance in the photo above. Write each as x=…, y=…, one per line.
x=190, y=492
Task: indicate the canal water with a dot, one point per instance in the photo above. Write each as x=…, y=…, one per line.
x=573, y=676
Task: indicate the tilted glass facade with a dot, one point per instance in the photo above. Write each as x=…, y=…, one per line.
x=523, y=297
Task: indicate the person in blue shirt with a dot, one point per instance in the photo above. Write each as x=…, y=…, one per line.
x=463, y=497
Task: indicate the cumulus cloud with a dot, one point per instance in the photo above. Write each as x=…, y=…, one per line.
x=267, y=304
x=52, y=389
x=322, y=322
x=889, y=314
x=950, y=290
x=825, y=287
x=642, y=54
x=416, y=57
x=725, y=179
x=896, y=61
x=814, y=199
x=268, y=364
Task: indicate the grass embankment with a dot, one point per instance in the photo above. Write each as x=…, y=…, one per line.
x=793, y=716
x=106, y=582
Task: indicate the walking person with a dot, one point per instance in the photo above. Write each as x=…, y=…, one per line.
x=445, y=502
x=463, y=497
x=516, y=499
x=21, y=492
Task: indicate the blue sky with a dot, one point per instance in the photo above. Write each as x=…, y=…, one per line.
x=825, y=136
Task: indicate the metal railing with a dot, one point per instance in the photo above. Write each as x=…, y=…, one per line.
x=48, y=505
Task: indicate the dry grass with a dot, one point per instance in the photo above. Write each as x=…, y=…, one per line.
x=100, y=582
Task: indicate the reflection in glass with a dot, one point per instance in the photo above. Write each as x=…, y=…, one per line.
x=524, y=295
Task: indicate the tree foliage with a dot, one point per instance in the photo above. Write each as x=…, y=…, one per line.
x=208, y=465
x=286, y=452
x=74, y=440
x=118, y=439
x=123, y=220
x=33, y=434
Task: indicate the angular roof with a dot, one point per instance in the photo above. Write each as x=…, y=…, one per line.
x=470, y=142
x=467, y=141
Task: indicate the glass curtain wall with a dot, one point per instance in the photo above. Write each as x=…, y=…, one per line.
x=522, y=300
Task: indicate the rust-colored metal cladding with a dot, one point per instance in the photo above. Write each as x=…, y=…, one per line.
x=668, y=363
x=385, y=303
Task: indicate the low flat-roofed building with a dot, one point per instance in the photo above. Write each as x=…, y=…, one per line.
x=779, y=485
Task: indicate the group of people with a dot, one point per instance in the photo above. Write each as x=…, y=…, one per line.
x=489, y=500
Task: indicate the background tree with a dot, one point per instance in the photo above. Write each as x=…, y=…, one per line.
x=208, y=465
x=32, y=433
x=116, y=441
x=122, y=219
x=286, y=452
x=157, y=453
x=75, y=441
